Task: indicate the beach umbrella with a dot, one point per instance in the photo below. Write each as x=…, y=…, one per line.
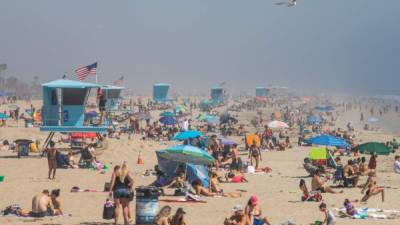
x=181, y=108
x=225, y=141
x=167, y=120
x=327, y=140
x=3, y=116
x=373, y=119
x=181, y=136
x=167, y=113
x=315, y=119
x=374, y=147
x=187, y=154
x=277, y=124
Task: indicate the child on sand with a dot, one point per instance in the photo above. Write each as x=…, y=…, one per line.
x=329, y=216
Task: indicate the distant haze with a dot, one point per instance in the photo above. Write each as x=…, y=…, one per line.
x=336, y=45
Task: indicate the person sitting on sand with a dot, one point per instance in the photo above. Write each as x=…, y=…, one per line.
x=162, y=218
x=71, y=161
x=372, y=188
x=330, y=218
x=349, y=174
x=317, y=184
x=55, y=194
x=215, y=188
x=200, y=190
x=253, y=212
x=178, y=181
x=309, y=196
x=238, y=217
x=42, y=205
x=350, y=210
x=178, y=218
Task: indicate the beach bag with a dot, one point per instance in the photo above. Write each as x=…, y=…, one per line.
x=107, y=186
x=108, y=210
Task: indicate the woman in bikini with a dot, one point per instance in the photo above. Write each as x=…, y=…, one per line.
x=255, y=154
x=215, y=188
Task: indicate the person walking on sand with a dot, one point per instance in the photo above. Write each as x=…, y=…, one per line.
x=51, y=159
x=121, y=186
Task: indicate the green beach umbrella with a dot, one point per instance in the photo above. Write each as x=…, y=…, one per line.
x=374, y=147
x=187, y=154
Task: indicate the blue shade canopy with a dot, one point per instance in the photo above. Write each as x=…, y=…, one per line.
x=181, y=136
x=62, y=83
x=328, y=140
x=167, y=120
x=187, y=154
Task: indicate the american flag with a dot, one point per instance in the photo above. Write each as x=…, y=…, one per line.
x=83, y=72
x=119, y=81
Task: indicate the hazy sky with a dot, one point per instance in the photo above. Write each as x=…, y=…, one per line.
x=193, y=45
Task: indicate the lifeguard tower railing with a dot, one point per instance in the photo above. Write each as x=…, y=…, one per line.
x=113, y=98
x=64, y=104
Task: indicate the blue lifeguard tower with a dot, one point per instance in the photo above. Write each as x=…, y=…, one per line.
x=261, y=92
x=160, y=92
x=217, y=95
x=63, y=109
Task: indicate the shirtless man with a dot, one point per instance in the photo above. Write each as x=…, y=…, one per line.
x=317, y=184
x=41, y=205
x=350, y=174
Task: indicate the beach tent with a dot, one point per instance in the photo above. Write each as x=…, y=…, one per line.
x=374, y=147
x=160, y=92
x=322, y=154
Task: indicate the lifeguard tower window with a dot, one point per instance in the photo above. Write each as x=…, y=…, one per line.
x=54, y=99
x=74, y=96
x=113, y=93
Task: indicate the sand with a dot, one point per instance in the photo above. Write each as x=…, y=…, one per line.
x=278, y=191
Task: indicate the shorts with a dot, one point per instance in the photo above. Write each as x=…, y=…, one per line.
x=258, y=221
x=121, y=193
x=321, y=189
x=52, y=163
x=42, y=214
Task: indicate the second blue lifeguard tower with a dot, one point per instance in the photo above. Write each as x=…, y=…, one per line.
x=64, y=103
x=217, y=95
x=160, y=92
x=261, y=92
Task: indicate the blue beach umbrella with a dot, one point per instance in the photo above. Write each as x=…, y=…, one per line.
x=181, y=136
x=328, y=140
x=168, y=114
x=167, y=120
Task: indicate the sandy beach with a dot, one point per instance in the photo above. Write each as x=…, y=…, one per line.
x=278, y=191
